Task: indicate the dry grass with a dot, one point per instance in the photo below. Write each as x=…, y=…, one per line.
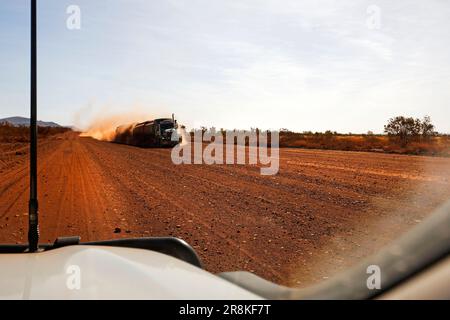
x=21, y=134
x=437, y=146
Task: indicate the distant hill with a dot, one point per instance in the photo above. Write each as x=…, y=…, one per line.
x=21, y=121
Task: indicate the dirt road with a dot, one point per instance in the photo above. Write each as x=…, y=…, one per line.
x=321, y=213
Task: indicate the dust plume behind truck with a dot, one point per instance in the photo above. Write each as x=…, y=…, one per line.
x=152, y=133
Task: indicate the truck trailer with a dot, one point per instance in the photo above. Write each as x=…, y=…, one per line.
x=152, y=133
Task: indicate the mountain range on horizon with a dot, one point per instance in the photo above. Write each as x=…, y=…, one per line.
x=22, y=121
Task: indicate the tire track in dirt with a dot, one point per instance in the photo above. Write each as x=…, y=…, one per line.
x=79, y=206
x=17, y=183
x=308, y=193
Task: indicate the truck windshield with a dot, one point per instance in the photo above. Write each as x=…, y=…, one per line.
x=330, y=125
x=166, y=125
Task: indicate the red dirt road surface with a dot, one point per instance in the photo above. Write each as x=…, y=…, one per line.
x=324, y=211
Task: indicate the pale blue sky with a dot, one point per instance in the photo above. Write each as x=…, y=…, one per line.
x=302, y=65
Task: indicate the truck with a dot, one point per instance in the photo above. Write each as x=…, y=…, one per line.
x=160, y=132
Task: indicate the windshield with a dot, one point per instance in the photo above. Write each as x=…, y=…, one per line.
x=166, y=125
x=311, y=133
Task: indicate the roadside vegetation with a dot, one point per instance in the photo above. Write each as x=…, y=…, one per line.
x=402, y=135
x=21, y=134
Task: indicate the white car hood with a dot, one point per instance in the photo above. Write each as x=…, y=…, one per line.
x=97, y=272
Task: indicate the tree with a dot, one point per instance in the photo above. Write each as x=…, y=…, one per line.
x=427, y=128
x=409, y=128
x=400, y=127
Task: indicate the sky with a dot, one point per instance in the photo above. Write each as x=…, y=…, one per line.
x=302, y=65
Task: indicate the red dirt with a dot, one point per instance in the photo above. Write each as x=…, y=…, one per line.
x=324, y=210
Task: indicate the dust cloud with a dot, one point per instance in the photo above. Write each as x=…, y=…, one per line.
x=103, y=127
x=185, y=138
